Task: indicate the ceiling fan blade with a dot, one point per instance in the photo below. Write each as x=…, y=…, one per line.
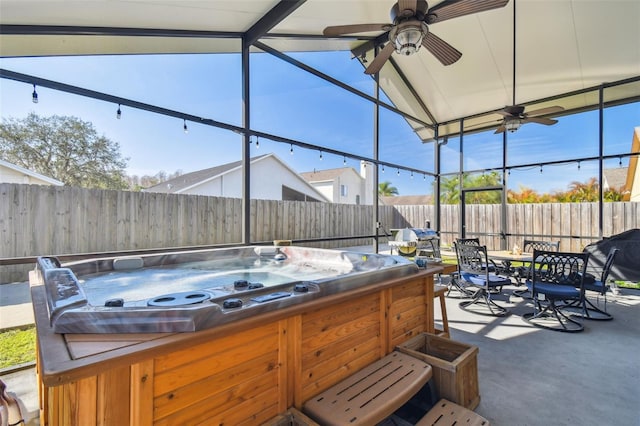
x=450, y=9
x=407, y=5
x=500, y=129
x=380, y=59
x=355, y=28
x=545, y=111
x=442, y=50
x=540, y=120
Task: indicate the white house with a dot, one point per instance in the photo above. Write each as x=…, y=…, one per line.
x=11, y=173
x=271, y=179
x=632, y=185
x=344, y=185
x=626, y=179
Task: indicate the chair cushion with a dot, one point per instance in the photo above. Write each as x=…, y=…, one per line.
x=494, y=280
x=596, y=286
x=556, y=291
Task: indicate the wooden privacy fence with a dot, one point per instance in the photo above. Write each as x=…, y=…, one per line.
x=37, y=220
x=573, y=224
x=44, y=220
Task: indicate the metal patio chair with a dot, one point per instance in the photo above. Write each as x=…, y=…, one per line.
x=556, y=278
x=474, y=271
x=521, y=273
x=456, y=282
x=599, y=286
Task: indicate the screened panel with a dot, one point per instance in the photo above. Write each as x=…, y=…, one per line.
x=450, y=155
x=305, y=108
x=620, y=122
x=204, y=85
x=482, y=150
x=399, y=145
x=574, y=136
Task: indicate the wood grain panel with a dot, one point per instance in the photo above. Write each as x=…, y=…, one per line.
x=195, y=369
x=227, y=381
x=142, y=377
x=219, y=407
x=339, y=373
x=325, y=366
x=338, y=341
x=313, y=356
x=113, y=397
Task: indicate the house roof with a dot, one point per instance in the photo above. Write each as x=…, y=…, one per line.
x=562, y=46
x=615, y=178
x=30, y=173
x=325, y=175
x=188, y=180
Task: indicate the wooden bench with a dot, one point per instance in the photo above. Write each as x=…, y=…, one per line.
x=447, y=413
x=372, y=394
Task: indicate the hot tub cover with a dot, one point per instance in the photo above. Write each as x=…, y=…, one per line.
x=627, y=263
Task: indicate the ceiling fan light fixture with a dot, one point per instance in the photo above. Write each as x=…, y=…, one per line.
x=512, y=124
x=408, y=39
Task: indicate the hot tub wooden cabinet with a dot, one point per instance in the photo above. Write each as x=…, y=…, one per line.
x=241, y=373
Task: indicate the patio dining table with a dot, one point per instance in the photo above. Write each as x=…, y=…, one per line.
x=506, y=257
x=509, y=256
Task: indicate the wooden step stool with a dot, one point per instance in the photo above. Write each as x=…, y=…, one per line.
x=447, y=413
x=372, y=394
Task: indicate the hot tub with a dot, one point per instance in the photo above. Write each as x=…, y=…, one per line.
x=196, y=290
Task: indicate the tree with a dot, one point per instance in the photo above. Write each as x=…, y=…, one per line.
x=385, y=189
x=65, y=148
x=584, y=191
x=578, y=191
x=138, y=183
x=450, y=188
x=526, y=195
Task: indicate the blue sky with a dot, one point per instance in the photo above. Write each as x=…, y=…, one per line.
x=290, y=103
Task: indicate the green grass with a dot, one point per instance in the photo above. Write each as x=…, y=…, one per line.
x=628, y=284
x=17, y=346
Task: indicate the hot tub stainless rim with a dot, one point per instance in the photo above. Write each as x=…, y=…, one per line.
x=75, y=315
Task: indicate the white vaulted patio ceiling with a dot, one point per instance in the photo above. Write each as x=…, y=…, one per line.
x=562, y=45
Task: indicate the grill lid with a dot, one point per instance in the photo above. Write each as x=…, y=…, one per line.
x=415, y=234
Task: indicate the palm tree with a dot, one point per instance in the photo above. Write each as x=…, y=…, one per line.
x=450, y=190
x=386, y=190
x=587, y=191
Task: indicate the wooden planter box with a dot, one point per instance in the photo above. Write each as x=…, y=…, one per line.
x=454, y=364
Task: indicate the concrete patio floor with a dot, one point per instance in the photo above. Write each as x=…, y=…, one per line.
x=528, y=376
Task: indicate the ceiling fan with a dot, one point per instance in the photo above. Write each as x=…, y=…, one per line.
x=515, y=115
x=410, y=28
